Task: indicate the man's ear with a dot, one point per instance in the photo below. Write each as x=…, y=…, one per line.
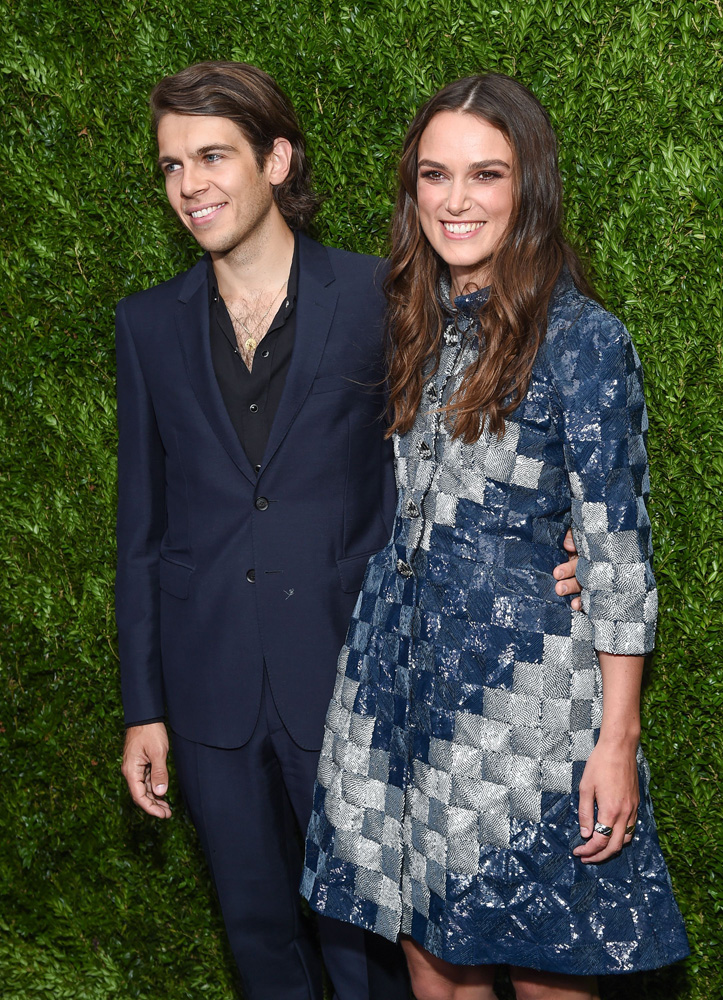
x=278, y=162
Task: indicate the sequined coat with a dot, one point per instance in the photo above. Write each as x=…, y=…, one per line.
x=469, y=694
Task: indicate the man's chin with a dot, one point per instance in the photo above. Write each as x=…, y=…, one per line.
x=217, y=246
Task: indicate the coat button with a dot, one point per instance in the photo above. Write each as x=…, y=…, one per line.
x=251, y=575
x=424, y=450
x=261, y=503
x=254, y=408
x=412, y=509
x=257, y=468
x=403, y=568
x=432, y=391
x=264, y=354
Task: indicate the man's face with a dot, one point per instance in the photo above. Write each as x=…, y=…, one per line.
x=213, y=182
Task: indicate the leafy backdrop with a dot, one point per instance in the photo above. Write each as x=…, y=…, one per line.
x=96, y=900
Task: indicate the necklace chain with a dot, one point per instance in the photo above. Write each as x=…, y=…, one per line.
x=251, y=342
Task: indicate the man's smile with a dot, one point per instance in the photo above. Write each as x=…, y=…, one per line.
x=205, y=211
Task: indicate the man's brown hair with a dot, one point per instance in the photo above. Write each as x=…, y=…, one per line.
x=254, y=101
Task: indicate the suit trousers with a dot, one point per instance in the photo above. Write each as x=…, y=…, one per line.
x=251, y=806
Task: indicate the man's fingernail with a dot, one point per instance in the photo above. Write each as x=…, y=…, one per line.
x=159, y=789
x=585, y=831
x=563, y=589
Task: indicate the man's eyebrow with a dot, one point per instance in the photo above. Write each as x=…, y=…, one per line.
x=479, y=165
x=214, y=147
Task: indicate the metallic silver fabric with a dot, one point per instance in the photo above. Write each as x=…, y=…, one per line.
x=469, y=694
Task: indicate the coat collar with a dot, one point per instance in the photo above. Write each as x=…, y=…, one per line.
x=315, y=304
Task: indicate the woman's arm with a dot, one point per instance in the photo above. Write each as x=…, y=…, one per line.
x=610, y=778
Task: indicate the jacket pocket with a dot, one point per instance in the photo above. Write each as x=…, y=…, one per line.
x=351, y=571
x=174, y=578
x=364, y=379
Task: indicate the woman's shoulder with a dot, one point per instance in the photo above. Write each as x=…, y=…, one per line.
x=581, y=333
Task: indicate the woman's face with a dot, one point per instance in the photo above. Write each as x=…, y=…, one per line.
x=464, y=192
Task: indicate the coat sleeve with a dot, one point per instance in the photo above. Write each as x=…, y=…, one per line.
x=141, y=524
x=600, y=384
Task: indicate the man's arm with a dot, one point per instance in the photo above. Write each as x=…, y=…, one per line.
x=144, y=767
x=565, y=574
x=141, y=522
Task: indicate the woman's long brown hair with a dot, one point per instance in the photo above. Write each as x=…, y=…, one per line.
x=522, y=272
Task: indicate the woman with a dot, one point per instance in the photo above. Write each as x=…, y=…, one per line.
x=481, y=790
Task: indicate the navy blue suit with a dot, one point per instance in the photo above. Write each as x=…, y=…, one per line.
x=234, y=590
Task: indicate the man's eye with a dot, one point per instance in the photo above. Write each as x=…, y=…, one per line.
x=170, y=168
x=212, y=157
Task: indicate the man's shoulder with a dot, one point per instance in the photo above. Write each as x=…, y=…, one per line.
x=347, y=264
x=349, y=258
x=163, y=293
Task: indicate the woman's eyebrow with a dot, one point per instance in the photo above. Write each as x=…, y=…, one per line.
x=479, y=165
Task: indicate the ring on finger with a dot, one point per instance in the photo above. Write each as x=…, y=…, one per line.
x=630, y=830
x=604, y=831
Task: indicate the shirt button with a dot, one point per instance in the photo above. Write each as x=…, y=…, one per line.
x=264, y=354
x=254, y=408
x=251, y=575
x=403, y=568
x=261, y=503
x=412, y=509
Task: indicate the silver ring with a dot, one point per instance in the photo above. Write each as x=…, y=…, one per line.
x=604, y=831
x=630, y=830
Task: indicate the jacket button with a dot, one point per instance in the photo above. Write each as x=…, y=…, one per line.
x=424, y=450
x=254, y=408
x=412, y=509
x=251, y=575
x=261, y=503
x=403, y=568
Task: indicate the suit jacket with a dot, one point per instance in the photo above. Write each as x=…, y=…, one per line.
x=221, y=571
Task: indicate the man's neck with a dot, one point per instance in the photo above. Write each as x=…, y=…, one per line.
x=261, y=262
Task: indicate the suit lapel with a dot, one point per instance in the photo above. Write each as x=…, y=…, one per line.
x=315, y=305
x=192, y=324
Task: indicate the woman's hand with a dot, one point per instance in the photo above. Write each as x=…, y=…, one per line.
x=610, y=779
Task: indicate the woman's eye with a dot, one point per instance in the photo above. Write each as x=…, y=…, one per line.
x=432, y=175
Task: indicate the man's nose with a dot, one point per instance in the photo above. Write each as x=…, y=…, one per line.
x=193, y=181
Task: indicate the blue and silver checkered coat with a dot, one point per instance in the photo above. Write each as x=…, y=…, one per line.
x=469, y=694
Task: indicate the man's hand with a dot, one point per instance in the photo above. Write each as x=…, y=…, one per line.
x=565, y=574
x=144, y=767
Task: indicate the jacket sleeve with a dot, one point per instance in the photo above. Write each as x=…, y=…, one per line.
x=600, y=384
x=141, y=524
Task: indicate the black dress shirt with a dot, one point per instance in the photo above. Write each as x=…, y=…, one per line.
x=252, y=397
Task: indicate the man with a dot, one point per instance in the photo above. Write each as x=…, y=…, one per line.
x=254, y=484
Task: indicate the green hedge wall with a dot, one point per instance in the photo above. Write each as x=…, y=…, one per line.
x=96, y=900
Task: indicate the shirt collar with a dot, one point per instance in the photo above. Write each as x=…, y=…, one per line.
x=462, y=310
